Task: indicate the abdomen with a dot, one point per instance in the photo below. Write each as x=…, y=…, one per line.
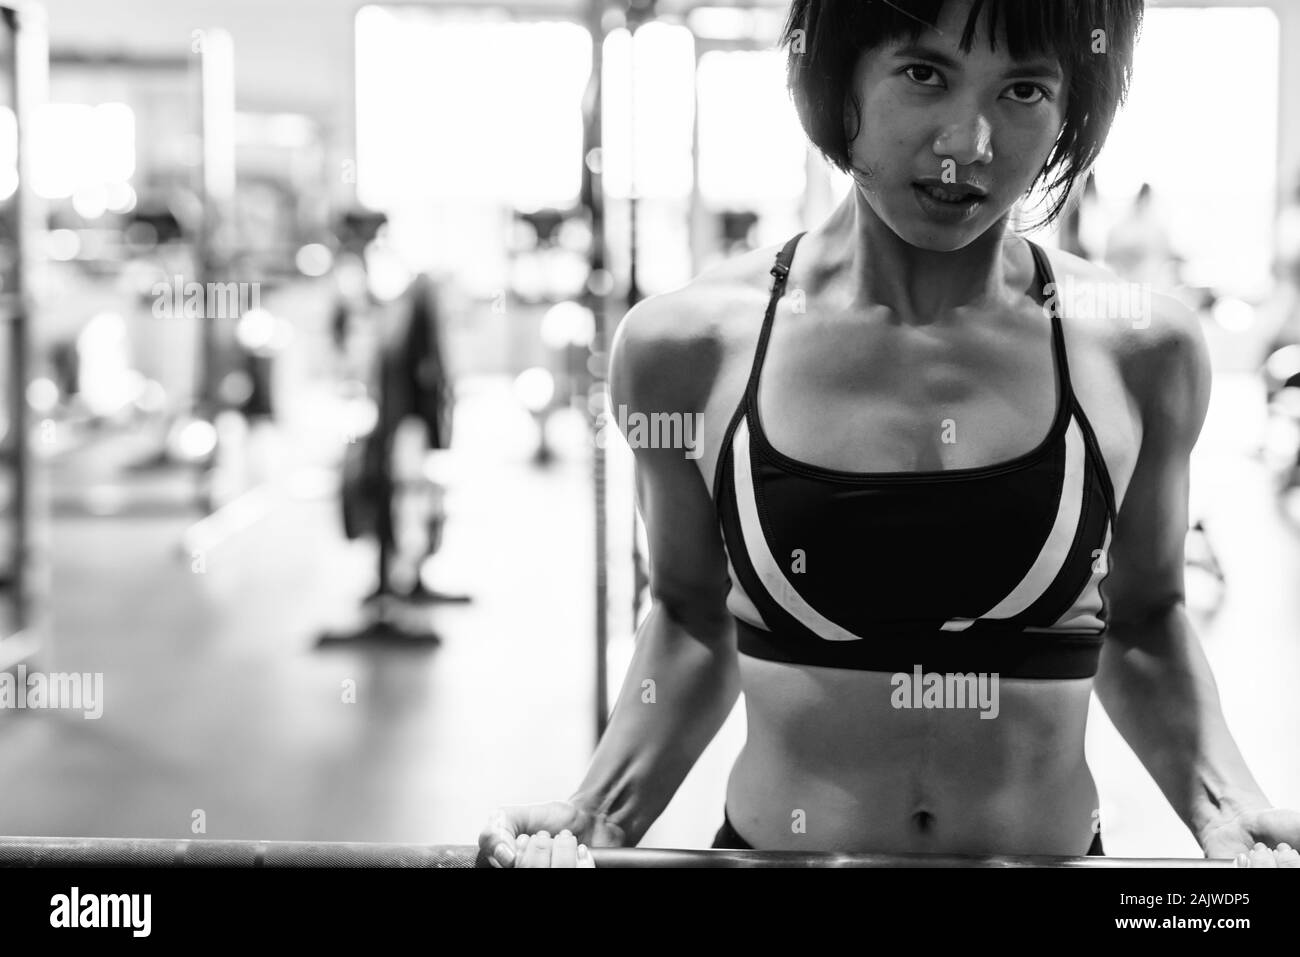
x=833, y=761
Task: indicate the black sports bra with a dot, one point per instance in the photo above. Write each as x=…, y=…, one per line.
x=990, y=569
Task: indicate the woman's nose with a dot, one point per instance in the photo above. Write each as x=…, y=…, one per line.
x=967, y=142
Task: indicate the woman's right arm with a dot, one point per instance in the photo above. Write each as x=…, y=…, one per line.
x=683, y=679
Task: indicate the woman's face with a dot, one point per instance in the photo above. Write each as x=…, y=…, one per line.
x=949, y=141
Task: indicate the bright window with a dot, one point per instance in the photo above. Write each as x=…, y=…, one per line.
x=662, y=100
x=468, y=108
x=1201, y=128
x=752, y=149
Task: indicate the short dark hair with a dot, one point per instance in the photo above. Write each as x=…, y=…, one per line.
x=826, y=38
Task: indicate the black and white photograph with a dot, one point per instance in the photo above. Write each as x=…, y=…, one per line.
x=650, y=434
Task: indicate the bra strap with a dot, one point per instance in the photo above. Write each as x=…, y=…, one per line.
x=1050, y=296
x=780, y=272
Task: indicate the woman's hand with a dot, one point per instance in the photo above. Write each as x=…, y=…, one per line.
x=1267, y=837
x=542, y=850
x=558, y=834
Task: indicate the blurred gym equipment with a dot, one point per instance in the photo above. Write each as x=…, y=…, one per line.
x=412, y=383
x=24, y=573
x=188, y=234
x=548, y=268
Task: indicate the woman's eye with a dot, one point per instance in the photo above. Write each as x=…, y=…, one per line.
x=1029, y=93
x=925, y=75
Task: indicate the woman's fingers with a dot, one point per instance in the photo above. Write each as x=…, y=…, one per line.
x=1261, y=855
x=1286, y=856
x=1258, y=856
x=564, y=851
x=497, y=840
x=538, y=851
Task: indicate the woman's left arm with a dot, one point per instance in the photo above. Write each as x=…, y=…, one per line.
x=1154, y=679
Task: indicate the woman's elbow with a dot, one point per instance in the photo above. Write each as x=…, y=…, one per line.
x=703, y=617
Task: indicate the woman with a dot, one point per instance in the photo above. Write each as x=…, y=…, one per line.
x=876, y=501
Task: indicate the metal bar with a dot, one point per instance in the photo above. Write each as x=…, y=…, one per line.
x=27, y=76
x=138, y=852
x=19, y=337
x=214, y=75
x=635, y=17
x=593, y=198
x=116, y=60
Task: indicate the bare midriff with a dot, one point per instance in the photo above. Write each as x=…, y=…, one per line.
x=831, y=764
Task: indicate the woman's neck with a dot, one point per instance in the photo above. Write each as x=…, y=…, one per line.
x=917, y=285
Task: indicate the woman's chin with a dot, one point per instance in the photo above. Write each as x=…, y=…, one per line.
x=945, y=240
x=924, y=232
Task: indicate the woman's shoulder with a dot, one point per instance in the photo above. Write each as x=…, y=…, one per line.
x=669, y=347
x=1155, y=340
x=1135, y=319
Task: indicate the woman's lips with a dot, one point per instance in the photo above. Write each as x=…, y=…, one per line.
x=953, y=194
x=947, y=205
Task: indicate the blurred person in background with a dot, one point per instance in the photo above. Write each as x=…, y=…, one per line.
x=1287, y=270
x=1138, y=247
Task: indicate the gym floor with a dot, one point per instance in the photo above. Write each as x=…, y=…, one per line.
x=217, y=700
